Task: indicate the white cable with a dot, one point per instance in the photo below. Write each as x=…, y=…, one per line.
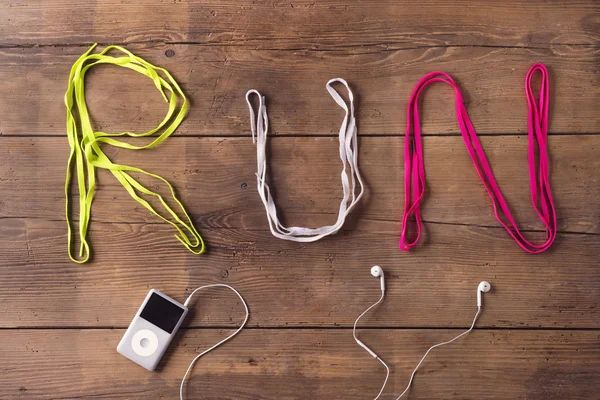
x=348, y=154
x=433, y=347
x=222, y=341
x=371, y=352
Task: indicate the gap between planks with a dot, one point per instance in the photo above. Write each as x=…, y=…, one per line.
x=309, y=327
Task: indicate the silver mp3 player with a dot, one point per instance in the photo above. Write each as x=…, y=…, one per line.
x=152, y=329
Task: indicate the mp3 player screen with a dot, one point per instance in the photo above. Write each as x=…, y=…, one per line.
x=162, y=313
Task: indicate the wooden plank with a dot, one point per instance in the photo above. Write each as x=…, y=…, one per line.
x=323, y=25
x=215, y=178
x=217, y=77
x=326, y=283
x=218, y=50
x=302, y=364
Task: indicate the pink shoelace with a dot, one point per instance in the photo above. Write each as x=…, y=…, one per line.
x=541, y=197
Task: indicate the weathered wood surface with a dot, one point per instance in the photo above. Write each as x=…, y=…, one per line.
x=215, y=177
x=324, y=25
x=289, y=284
x=60, y=322
x=217, y=78
x=216, y=180
x=306, y=364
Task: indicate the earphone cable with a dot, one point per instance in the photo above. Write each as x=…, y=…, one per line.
x=433, y=347
x=222, y=341
x=361, y=344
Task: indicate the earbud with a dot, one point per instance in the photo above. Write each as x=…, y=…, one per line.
x=482, y=288
x=377, y=271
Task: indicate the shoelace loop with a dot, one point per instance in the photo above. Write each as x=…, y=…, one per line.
x=541, y=196
x=351, y=180
x=87, y=155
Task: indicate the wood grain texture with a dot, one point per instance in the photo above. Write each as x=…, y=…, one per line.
x=215, y=178
x=216, y=78
x=326, y=283
x=540, y=332
x=306, y=364
x=328, y=25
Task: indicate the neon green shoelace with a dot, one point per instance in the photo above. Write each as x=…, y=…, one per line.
x=88, y=155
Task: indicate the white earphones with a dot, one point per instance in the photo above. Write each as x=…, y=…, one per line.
x=377, y=271
x=187, y=302
x=482, y=288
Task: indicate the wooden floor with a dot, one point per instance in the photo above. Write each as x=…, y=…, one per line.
x=539, y=334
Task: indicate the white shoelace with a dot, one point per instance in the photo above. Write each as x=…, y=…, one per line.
x=351, y=179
